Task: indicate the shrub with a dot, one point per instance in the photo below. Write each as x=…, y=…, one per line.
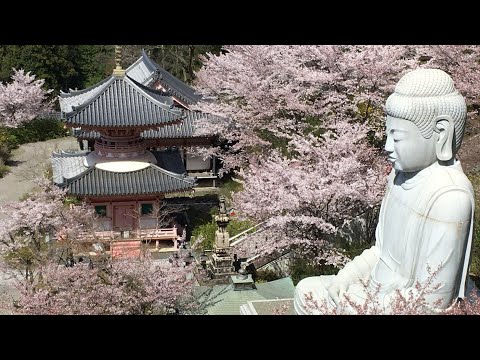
x=237, y=226
x=7, y=142
x=206, y=231
x=266, y=275
x=229, y=186
x=41, y=129
x=301, y=267
x=3, y=168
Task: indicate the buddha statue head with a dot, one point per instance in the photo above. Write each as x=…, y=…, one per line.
x=425, y=120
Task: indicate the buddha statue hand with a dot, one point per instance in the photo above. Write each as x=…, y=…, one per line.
x=337, y=289
x=358, y=269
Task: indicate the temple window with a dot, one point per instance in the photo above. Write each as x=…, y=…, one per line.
x=147, y=209
x=101, y=210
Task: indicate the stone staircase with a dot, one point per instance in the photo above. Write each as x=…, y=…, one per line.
x=124, y=249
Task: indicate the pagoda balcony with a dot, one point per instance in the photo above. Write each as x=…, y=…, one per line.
x=155, y=239
x=117, y=149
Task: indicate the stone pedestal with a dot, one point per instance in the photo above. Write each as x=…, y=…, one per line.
x=221, y=239
x=220, y=266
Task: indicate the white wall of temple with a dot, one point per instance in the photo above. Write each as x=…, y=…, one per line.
x=147, y=222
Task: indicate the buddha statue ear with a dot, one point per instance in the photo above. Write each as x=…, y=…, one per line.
x=445, y=128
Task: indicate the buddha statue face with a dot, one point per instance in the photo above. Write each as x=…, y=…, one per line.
x=407, y=149
x=425, y=120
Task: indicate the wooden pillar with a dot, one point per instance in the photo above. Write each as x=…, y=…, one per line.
x=214, y=169
x=184, y=150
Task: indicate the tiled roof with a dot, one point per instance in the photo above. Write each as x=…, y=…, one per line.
x=122, y=102
x=184, y=129
x=76, y=98
x=141, y=70
x=67, y=165
x=145, y=71
x=148, y=181
x=229, y=300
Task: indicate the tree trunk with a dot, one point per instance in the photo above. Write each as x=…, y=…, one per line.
x=191, y=57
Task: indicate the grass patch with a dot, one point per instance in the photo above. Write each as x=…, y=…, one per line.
x=38, y=130
x=32, y=131
x=229, y=186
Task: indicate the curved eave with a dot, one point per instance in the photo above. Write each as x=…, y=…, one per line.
x=103, y=128
x=184, y=129
x=161, y=96
x=76, y=99
x=178, y=88
x=152, y=180
x=72, y=92
x=142, y=70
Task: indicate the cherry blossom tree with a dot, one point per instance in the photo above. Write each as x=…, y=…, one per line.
x=23, y=99
x=120, y=287
x=265, y=94
x=304, y=200
x=38, y=237
x=28, y=228
x=287, y=114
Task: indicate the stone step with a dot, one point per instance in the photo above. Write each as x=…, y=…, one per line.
x=125, y=249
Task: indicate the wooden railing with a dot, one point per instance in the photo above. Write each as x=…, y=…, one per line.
x=143, y=234
x=120, y=146
x=99, y=236
x=159, y=234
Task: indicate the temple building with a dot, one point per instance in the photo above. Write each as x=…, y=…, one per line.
x=134, y=129
x=181, y=136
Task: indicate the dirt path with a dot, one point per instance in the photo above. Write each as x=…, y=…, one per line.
x=27, y=162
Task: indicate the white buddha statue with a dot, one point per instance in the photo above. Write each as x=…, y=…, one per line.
x=426, y=216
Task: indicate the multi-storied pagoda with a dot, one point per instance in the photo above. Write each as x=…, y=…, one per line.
x=136, y=150
x=179, y=136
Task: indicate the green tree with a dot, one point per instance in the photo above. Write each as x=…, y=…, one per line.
x=54, y=63
x=181, y=61
x=62, y=66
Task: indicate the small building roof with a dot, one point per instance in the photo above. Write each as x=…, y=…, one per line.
x=67, y=165
x=118, y=102
x=167, y=176
x=147, y=181
x=227, y=301
x=146, y=71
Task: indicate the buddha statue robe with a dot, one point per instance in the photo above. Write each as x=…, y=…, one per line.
x=425, y=226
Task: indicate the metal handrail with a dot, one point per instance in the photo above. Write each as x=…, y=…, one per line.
x=242, y=233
